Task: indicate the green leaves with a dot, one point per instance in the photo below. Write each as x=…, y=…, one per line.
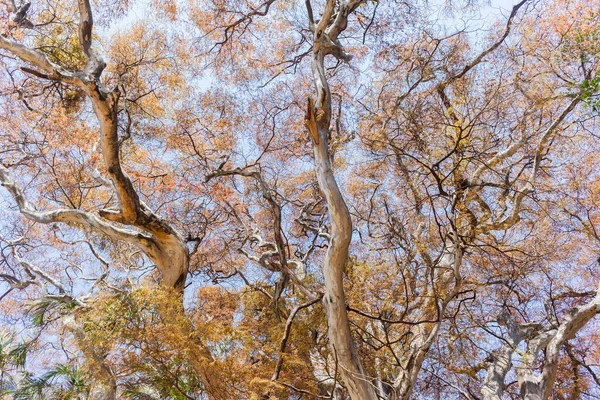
x=64, y=382
x=38, y=309
x=590, y=89
x=11, y=356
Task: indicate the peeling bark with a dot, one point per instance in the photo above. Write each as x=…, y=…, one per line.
x=334, y=300
x=156, y=237
x=534, y=386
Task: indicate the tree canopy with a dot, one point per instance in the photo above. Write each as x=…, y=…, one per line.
x=276, y=199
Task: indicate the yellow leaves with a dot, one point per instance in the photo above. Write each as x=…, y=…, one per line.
x=146, y=331
x=374, y=284
x=138, y=46
x=182, y=128
x=265, y=389
x=140, y=316
x=215, y=311
x=61, y=45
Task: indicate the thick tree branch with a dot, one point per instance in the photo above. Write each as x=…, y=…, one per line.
x=95, y=65
x=71, y=216
x=38, y=60
x=542, y=148
x=534, y=386
x=493, y=387
x=340, y=338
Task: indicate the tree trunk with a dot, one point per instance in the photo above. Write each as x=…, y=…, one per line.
x=334, y=299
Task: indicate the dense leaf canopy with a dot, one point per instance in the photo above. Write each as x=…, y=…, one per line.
x=338, y=199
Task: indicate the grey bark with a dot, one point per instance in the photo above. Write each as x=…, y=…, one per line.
x=493, y=387
x=538, y=386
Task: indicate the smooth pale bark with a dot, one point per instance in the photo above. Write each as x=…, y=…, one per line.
x=534, y=386
x=512, y=217
x=157, y=238
x=493, y=387
x=334, y=300
x=68, y=215
x=168, y=251
x=447, y=276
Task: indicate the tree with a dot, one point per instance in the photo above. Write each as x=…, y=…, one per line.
x=319, y=199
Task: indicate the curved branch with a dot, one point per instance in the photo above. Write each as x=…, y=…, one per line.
x=286, y=334
x=70, y=216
